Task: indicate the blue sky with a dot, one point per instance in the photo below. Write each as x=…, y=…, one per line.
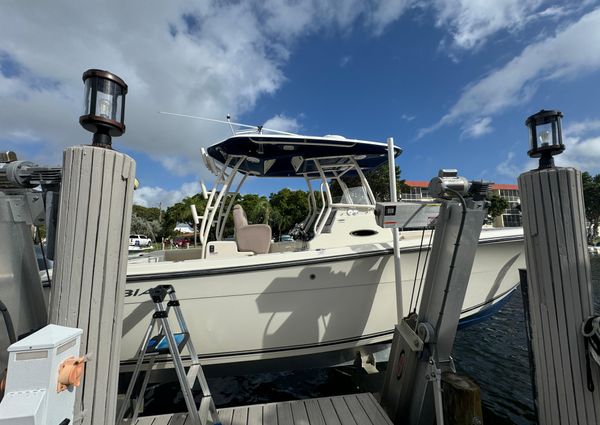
x=451, y=80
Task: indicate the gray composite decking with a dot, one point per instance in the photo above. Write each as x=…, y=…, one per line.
x=352, y=409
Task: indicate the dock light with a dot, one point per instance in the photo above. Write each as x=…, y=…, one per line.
x=104, y=113
x=545, y=136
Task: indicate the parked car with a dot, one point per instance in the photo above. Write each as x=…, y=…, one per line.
x=139, y=240
x=183, y=241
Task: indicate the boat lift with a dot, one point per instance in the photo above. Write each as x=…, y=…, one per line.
x=22, y=205
x=422, y=343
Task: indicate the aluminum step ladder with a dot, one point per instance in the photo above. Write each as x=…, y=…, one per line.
x=168, y=343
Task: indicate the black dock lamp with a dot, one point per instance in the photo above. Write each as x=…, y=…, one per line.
x=545, y=136
x=104, y=113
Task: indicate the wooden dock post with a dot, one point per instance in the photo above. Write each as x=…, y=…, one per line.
x=462, y=400
x=559, y=279
x=91, y=264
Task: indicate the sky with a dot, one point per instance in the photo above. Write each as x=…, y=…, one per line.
x=452, y=81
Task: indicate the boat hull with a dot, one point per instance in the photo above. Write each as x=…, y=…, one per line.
x=296, y=304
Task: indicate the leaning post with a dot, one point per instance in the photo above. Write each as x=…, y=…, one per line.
x=92, y=237
x=558, y=270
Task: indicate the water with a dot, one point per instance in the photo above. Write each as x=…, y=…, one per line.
x=493, y=352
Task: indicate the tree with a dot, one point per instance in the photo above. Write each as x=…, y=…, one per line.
x=497, y=205
x=591, y=197
x=140, y=225
x=257, y=208
x=146, y=221
x=149, y=214
x=181, y=213
x=288, y=207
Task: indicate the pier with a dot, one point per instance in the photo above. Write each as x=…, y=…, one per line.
x=352, y=409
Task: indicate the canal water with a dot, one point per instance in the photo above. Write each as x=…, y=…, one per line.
x=493, y=352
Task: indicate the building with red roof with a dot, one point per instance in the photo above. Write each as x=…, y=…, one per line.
x=511, y=217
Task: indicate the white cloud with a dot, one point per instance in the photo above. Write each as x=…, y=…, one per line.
x=477, y=128
x=152, y=196
x=581, y=127
x=509, y=168
x=200, y=58
x=282, y=123
x=519, y=79
x=181, y=166
x=472, y=22
x=554, y=12
x=582, y=146
x=407, y=117
x=202, y=70
x=212, y=59
x=387, y=11
x=289, y=19
x=345, y=60
x=581, y=153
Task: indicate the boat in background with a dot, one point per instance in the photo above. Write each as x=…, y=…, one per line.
x=329, y=294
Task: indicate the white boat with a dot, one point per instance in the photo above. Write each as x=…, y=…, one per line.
x=328, y=295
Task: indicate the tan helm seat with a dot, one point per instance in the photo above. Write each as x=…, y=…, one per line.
x=250, y=237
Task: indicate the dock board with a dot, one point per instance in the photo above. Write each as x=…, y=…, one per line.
x=352, y=409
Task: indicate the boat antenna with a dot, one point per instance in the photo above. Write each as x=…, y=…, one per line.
x=230, y=126
x=231, y=123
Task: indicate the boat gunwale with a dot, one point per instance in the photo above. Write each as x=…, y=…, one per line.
x=135, y=278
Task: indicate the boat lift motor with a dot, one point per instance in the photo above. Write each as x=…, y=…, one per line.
x=23, y=205
x=43, y=371
x=21, y=178
x=422, y=344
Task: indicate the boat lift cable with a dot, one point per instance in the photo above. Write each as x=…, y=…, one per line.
x=10, y=329
x=452, y=263
x=410, y=305
x=39, y=238
x=424, y=269
x=419, y=291
x=258, y=128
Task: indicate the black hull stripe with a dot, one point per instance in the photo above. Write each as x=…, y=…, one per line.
x=283, y=264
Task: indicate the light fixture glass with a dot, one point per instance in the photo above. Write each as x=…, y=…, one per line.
x=545, y=136
x=104, y=108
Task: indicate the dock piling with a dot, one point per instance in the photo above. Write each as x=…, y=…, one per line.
x=89, y=277
x=559, y=280
x=462, y=400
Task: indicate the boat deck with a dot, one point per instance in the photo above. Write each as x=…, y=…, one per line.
x=352, y=409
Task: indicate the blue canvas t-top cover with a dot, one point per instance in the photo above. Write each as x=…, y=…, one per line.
x=282, y=155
